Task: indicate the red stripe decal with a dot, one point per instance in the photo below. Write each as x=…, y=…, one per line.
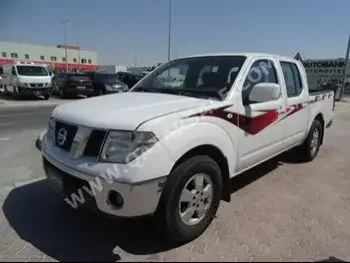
x=256, y=124
x=251, y=125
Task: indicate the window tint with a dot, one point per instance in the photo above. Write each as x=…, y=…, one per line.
x=262, y=71
x=292, y=79
x=297, y=78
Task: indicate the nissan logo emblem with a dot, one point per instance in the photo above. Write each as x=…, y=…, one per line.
x=62, y=136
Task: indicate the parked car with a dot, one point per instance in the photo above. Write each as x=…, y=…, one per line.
x=128, y=78
x=105, y=83
x=171, y=152
x=25, y=78
x=66, y=84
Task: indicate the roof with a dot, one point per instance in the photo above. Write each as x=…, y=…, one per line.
x=242, y=54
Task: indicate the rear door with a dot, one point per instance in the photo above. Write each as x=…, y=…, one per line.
x=297, y=110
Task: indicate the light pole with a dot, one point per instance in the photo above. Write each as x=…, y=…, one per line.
x=169, y=31
x=65, y=41
x=345, y=70
x=79, y=54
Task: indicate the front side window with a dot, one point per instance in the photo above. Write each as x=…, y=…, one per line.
x=31, y=71
x=262, y=71
x=201, y=77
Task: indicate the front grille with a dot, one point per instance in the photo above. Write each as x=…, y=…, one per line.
x=38, y=85
x=94, y=143
x=64, y=135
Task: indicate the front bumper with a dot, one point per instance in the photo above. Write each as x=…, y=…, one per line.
x=34, y=91
x=76, y=91
x=139, y=199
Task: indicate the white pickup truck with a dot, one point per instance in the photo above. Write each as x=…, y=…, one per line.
x=171, y=151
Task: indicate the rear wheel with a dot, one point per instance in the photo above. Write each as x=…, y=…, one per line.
x=47, y=96
x=311, y=146
x=190, y=199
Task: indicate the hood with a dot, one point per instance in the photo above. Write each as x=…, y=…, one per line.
x=123, y=111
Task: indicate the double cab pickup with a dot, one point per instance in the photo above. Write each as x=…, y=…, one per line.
x=170, y=145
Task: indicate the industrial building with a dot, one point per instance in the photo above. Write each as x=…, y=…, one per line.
x=53, y=55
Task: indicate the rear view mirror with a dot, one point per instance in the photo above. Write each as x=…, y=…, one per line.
x=263, y=92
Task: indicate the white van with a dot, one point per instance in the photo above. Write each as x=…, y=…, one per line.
x=26, y=78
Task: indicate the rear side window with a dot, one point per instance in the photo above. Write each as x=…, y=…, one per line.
x=292, y=79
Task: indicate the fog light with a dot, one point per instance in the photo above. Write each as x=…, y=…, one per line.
x=115, y=199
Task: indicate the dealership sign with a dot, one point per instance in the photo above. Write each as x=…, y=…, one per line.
x=324, y=67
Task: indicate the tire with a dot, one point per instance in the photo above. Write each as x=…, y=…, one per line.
x=311, y=146
x=15, y=93
x=174, y=226
x=46, y=97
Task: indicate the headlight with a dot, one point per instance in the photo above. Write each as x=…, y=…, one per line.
x=120, y=87
x=109, y=88
x=125, y=146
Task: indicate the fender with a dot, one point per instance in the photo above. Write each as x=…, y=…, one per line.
x=185, y=138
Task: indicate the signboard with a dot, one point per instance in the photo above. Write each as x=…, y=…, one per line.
x=323, y=71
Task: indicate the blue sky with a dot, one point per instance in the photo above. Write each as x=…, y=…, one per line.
x=122, y=30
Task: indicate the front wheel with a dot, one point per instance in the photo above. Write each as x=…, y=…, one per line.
x=311, y=146
x=190, y=199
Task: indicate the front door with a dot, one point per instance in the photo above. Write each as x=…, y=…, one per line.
x=261, y=124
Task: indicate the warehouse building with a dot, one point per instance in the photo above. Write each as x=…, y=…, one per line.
x=77, y=59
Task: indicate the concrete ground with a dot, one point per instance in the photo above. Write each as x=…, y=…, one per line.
x=280, y=211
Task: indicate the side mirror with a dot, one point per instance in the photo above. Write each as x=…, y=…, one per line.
x=263, y=92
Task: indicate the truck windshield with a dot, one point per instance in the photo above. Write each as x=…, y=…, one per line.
x=208, y=77
x=31, y=71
